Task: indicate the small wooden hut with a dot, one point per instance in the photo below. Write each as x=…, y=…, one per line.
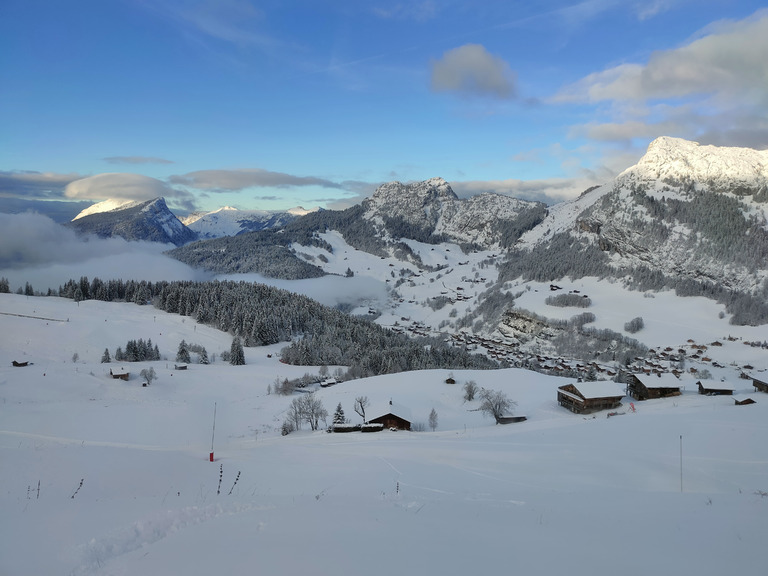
x=586, y=397
x=645, y=386
x=119, y=375
x=742, y=400
x=713, y=388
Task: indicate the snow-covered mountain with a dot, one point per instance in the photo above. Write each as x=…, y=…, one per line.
x=432, y=209
x=108, y=205
x=683, y=211
x=150, y=220
x=228, y=221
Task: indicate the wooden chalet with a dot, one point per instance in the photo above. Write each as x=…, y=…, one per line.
x=760, y=385
x=645, y=386
x=179, y=366
x=742, y=400
x=119, y=375
x=19, y=364
x=393, y=416
x=712, y=388
x=586, y=397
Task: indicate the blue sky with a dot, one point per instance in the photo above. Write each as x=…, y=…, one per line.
x=276, y=104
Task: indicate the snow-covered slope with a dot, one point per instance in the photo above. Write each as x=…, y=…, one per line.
x=107, y=206
x=674, y=161
x=228, y=221
x=102, y=476
x=684, y=211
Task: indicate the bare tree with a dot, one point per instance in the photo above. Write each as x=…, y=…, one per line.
x=361, y=403
x=148, y=374
x=470, y=390
x=295, y=414
x=433, y=420
x=313, y=410
x=306, y=408
x=495, y=403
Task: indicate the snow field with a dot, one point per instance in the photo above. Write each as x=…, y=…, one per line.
x=559, y=492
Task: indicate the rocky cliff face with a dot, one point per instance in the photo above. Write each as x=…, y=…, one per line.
x=432, y=210
x=684, y=211
x=151, y=221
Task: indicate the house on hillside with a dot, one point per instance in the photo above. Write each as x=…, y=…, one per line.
x=645, y=386
x=760, y=385
x=393, y=415
x=586, y=397
x=119, y=375
x=713, y=388
x=743, y=400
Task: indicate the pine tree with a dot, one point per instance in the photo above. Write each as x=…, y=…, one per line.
x=338, y=416
x=433, y=420
x=105, y=358
x=203, y=357
x=183, y=353
x=236, y=353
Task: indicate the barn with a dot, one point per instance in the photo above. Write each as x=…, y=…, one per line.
x=645, y=386
x=586, y=397
x=760, y=385
x=393, y=415
x=119, y=375
x=712, y=388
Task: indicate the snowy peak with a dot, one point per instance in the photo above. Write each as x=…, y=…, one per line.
x=229, y=221
x=107, y=206
x=151, y=221
x=676, y=161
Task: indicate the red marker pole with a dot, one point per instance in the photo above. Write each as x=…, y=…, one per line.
x=213, y=434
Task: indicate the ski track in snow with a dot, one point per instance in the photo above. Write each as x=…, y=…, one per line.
x=142, y=533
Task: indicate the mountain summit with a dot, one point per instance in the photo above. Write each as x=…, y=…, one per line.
x=150, y=220
x=430, y=210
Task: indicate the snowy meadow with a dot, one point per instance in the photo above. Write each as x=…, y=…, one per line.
x=104, y=476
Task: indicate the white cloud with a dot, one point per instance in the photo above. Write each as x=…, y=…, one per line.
x=713, y=89
x=121, y=186
x=471, y=70
x=549, y=191
x=730, y=63
x=34, y=249
x=230, y=180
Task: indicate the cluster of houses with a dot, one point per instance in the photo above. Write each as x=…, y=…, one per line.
x=586, y=397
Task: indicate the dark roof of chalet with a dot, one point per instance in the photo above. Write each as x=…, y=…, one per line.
x=598, y=389
x=666, y=380
x=715, y=385
x=382, y=409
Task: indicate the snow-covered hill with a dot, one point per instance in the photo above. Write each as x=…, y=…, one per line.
x=102, y=476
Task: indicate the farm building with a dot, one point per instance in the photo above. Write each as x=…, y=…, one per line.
x=760, y=385
x=119, y=375
x=393, y=415
x=645, y=386
x=712, y=388
x=585, y=397
x=743, y=400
